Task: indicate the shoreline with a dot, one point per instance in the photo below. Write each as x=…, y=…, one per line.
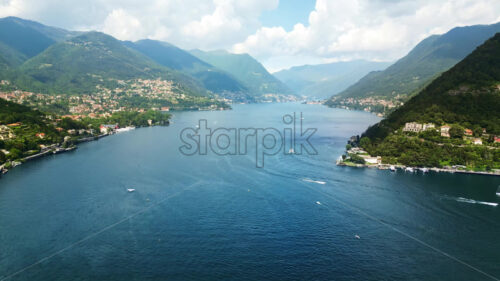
x=416, y=169
x=55, y=149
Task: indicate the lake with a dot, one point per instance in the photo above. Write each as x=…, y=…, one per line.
x=219, y=217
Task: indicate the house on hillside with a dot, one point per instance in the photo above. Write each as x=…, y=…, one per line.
x=445, y=131
x=468, y=132
x=496, y=139
x=413, y=127
x=6, y=133
x=417, y=127
x=428, y=126
x=478, y=141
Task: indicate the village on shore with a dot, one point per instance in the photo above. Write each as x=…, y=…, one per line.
x=356, y=156
x=70, y=142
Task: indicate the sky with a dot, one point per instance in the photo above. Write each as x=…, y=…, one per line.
x=279, y=33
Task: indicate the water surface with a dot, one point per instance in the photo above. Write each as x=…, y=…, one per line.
x=219, y=217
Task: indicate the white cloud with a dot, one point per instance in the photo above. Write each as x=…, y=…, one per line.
x=377, y=30
x=123, y=26
x=187, y=23
x=336, y=29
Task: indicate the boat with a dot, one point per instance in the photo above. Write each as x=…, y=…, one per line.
x=317, y=202
x=424, y=170
x=126, y=129
x=392, y=168
x=498, y=191
x=291, y=151
x=409, y=169
x=130, y=189
x=357, y=236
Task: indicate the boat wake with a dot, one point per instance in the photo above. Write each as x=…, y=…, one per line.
x=313, y=181
x=471, y=201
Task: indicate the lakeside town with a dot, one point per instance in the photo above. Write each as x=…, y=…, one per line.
x=377, y=105
x=135, y=94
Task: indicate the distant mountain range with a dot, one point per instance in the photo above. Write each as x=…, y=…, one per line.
x=423, y=63
x=45, y=59
x=246, y=69
x=23, y=39
x=79, y=64
x=324, y=80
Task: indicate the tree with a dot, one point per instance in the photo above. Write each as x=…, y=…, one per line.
x=2, y=157
x=365, y=142
x=348, y=147
x=357, y=159
x=456, y=131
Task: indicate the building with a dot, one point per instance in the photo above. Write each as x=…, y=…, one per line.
x=417, y=127
x=374, y=160
x=6, y=133
x=478, y=141
x=468, y=132
x=428, y=126
x=413, y=127
x=445, y=131
x=496, y=139
x=107, y=128
x=40, y=135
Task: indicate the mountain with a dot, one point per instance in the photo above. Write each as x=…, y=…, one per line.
x=466, y=98
x=324, y=80
x=81, y=63
x=173, y=57
x=246, y=69
x=468, y=94
x=22, y=39
x=425, y=62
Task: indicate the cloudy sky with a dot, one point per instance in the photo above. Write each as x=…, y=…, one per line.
x=278, y=33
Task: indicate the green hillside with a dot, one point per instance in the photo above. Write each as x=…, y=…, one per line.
x=246, y=69
x=81, y=63
x=465, y=97
x=324, y=80
x=22, y=39
x=425, y=62
x=173, y=57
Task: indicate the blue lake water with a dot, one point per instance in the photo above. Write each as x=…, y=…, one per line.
x=211, y=217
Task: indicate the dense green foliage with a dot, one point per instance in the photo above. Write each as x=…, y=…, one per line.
x=246, y=69
x=426, y=61
x=22, y=39
x=417, y=152
x=466, y=96
x=30, y=123
x=324, y=80
x=130, y=118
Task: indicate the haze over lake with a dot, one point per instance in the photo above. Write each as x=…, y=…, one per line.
x=210, y=217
